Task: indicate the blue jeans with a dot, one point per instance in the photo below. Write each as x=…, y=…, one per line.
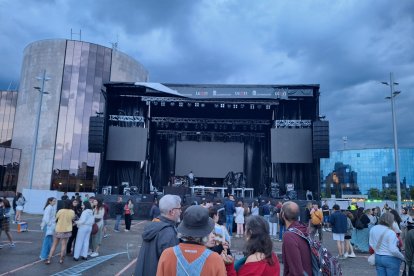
x=387, y=265
x=47, y=244
x=117, y=222
x=229, y=224
x=281, y=230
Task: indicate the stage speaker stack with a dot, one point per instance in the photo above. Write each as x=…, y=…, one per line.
x=96, y=136
x=320, y=139
x=274, y=190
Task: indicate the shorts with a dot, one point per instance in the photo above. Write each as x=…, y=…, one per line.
x=19, y=208
x=326, y=218
x=63, y=235
x=348, y=237
x=338, y=237
x=5, y=225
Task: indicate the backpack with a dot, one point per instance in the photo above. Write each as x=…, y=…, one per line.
x=323, y=263
x=316, y=217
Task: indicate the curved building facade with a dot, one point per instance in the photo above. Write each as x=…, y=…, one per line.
x=356, y=171
x=75, y=72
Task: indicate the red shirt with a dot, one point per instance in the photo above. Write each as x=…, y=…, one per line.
x=262, y=268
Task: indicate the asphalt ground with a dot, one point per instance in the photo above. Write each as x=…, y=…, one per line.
x=118, y=253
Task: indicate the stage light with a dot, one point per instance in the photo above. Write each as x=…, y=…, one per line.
x=228, y=105
x=252, y=106
x=180, y=104
x=234, y=106
x=162, y=103
x=216, y=105
x=155, y=103
x=203, y=105
x=242, y=106
x=189, y=104
x=268, y=106
x=222, y=105
x=196, y=104
x=172, y=103
x=259, y=106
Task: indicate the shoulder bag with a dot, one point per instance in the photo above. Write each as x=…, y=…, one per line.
x=371, y=259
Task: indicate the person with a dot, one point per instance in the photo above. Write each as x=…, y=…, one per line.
x=326, y=214
x=273, y=219
x=5, y=220
x=315, y=223
x=339, y=228
x=230, y=210
x=87, y=199
x=63, y=230
x=65, y=196
x=191, y=179
x=220, y=211
x=96, y=240
x=48, y=226
x=239, y=219
x=255, y=208
x=20, y=201
x=260, y=258
x=361, y=234
x=221, y=236
x=409, y=243
x=309, y=195
x=372, y=219
x=397, y=222
x=296, y=253
x=84, y=225
x=128, y=212
x=383, y=241
x=190, y=256
x=76, y=207
x=105, y=219
x=159, y=235
x=119, y=210
x=155, y=210
x=349, y=249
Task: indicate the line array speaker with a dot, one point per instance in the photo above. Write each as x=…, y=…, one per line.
x=96, y=141
x=320, y=139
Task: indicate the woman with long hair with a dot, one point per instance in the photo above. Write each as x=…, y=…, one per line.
x=20, y=201
x=78, y=211
x=84, y=225
x=5, y=222
x=48, y=226
x=383, y=241
x=63, y=230
x=128, y=212
x=239, y=219
x=98, y=213
x=361, y=233
x=259, y=256
x=349, y=249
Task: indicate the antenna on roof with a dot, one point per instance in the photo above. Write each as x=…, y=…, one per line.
x=73, y=33
x=115, y=44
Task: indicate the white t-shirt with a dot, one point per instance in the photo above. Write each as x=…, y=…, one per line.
x=388, y=246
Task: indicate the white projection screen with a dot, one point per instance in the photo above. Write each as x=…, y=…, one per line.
x=208, y=159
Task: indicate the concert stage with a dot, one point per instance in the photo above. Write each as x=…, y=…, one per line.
x=257, y=134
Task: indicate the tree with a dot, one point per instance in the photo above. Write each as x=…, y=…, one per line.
x=374, y=193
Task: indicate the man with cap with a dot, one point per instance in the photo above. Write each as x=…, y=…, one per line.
x=191, y=257
x=159, y=235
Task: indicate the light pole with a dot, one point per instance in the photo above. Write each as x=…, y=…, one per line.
x=39, y=109
x=393, y=94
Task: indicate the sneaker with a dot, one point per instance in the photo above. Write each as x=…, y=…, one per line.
x=95, y=254
x=12, y=244
x=90, y=253
x=280, y=240
x=323, y=229
x=116, y=230
x=352, y=255
x=106, y=235
x=346, y=255
x=126, y=230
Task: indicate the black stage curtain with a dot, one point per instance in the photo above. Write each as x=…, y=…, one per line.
x=118, y=172
x=163, y=161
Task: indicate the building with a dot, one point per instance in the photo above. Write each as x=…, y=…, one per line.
x=9, y=157
x=75, y=72
x=357, y=171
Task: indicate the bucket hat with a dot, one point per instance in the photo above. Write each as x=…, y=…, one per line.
x=196, y=222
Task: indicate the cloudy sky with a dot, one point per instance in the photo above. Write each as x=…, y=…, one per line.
x=348, y=47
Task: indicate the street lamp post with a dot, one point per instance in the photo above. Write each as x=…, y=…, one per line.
x=39, y=109
x=392, y=96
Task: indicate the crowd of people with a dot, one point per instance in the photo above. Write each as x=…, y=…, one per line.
x=198, y=238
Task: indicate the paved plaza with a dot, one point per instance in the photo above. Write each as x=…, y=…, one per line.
x=117, y=255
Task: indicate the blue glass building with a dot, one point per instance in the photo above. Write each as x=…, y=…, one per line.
x=358, y=170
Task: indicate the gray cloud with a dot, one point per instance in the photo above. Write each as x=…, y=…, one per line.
x=347, y=47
